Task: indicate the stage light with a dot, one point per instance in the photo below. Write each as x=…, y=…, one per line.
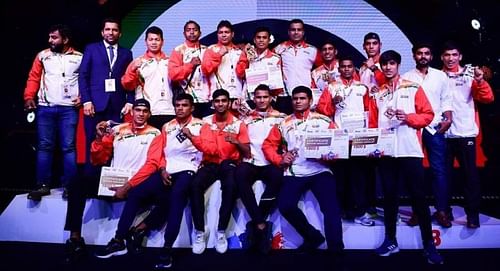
x=475, y=24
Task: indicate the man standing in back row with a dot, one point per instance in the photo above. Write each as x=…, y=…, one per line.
x=184, y=70
x=53, y=83
x=298, y=59
x=435, y=84
x=147, y=75
x=220, y=60
x=466, y=87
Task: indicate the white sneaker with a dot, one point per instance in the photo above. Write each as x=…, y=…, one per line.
x=200, y=242
x=221, y=242
x=365, y=220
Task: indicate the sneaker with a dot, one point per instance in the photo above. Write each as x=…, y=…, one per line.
x=365, y=220
x=200, y=242
x=312, y=242
x=387, y=248
x=413, y=221
x=135, y=240
x=221, y=242
x=75, y=250
x=165, y=260
x=430, y=252
x=115, y=247
x=37, y=194
x=442, y=219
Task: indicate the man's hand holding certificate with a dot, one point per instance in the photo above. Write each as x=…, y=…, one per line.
x=114, y=179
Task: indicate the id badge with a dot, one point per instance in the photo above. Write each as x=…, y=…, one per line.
x=181, y=137
x=110, y=85
x=66, y=91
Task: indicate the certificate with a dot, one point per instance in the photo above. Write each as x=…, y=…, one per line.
x=373, y=142
x=329, y=142
x=270, y=76
x=351, y=121
x=275, y=78
x=113, y=177
x=255, y=78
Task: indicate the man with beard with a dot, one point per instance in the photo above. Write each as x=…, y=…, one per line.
x=53, y=84
x=185, y=71
x=103, y=65
x=435, y=84
x=103, y=99
x=148, y=76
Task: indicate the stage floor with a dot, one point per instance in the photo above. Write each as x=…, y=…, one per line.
x=27, y=221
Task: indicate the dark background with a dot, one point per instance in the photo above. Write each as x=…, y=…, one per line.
x=25, y=24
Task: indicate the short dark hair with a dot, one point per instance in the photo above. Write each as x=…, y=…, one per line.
x=345, y=57
x=451, y=45
x=185, y=96
x=263, y=87
x=192, y=22
x=328, y=41
x=63, y=30
x=220, y=92
x=389, y=55
x=154, y=30
x=225, y=23
x=111, y=20
x=371, y=35
x=295, y=21
x=303, y=89
x=262, y=29
x=420, y=45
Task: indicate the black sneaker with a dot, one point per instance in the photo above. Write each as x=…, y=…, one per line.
x=115, y=247
x=165, y=260
x=135, y=240
x=37, y=194
x=312, y=242
x=75, y=250
x=387, y=248
x=430, y=252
